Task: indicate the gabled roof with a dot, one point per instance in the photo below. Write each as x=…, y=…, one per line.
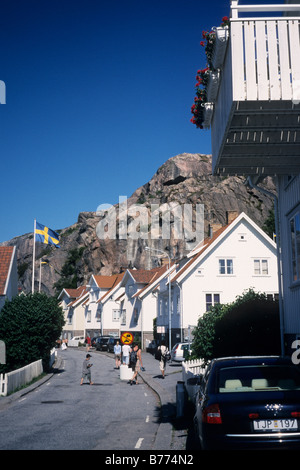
x=82, y=294
x=117, y=281
x=6, y=260
x=105, y=282
x=210, y=243
x=156, y=278
x=72, y=293
x=143, y=276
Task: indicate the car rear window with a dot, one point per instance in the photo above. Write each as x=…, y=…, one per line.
x=258, y=378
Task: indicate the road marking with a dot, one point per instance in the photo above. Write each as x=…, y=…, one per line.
x=147, y=419
x=139, y=443
x=22, y=399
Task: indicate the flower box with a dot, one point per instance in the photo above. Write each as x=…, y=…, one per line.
x=207, y=115
x=213, y=86
x=220, y=44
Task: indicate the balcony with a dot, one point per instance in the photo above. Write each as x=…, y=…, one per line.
x=255, y=115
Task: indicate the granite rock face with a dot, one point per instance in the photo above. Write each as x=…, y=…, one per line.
x=111, y=240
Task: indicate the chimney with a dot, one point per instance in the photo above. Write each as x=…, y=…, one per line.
x=212, y=228
x=231, y=215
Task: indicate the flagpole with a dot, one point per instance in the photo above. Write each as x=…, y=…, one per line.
x=33, y=257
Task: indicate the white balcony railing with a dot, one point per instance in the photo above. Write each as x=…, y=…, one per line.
x=259, y=92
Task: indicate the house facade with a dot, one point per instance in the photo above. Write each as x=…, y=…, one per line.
x=255, y=127
x=96, y=323
x=8, y=274
x=72, y=303
x=109, y=309
x=235, y=258
x=138, y=302
x=289, y=217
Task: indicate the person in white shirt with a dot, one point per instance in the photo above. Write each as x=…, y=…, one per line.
x=163, y=360
x=117, y=351
x=125, y=353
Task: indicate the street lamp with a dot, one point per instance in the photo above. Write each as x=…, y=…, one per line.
x=147, y=248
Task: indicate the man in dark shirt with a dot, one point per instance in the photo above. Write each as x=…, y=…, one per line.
x=86, y=372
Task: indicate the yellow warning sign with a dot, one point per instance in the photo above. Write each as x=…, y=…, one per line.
x=126, y=338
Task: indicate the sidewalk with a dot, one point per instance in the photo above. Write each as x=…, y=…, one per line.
x=172, y=432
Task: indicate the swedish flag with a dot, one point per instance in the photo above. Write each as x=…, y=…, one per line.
x=46, y=235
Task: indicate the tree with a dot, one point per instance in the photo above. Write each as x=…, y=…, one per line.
x=29, y=326
x=69, y=271
x=251, y=326
x=269, y=225
x=204, y=333
x=248, y=326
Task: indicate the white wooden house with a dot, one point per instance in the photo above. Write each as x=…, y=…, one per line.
x=97, y=287
x=255, y=127
x=8, y=274
x=109, y=309
x=237, y=257
x=138, y=302
x=72, y=303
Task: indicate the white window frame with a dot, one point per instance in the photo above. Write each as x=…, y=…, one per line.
x=214, y=300
x=261, y=266
x=228, y=269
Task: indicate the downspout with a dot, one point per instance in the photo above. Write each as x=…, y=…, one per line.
x=278, y=247
x=181, y=312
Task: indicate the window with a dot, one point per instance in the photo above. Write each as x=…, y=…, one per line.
x=211, y=300
x=295, y=242
x=226, y=266
x=261, y=267
x=119, y=315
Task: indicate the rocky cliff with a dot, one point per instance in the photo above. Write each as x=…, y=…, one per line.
x=107, y=241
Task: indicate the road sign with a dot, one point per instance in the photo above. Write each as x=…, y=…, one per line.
x=126, y=338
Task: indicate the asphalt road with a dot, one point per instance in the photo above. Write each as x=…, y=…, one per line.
x=62, y=415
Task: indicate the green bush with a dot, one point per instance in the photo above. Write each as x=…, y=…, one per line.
x=248, y=326
x=29, y=326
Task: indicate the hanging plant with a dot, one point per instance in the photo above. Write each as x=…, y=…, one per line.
x=203, y=76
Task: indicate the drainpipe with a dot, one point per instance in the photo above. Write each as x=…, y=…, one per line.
x=277, y=228
x=181, y=311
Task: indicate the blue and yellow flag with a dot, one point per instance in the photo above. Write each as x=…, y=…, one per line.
x=44, y=234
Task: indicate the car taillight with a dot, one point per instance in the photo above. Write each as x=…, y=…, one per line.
x=295, y=414
x=212, y=415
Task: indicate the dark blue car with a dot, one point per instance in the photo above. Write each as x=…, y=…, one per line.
x=249, y=403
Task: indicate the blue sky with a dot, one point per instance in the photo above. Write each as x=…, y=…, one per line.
x=98, y=97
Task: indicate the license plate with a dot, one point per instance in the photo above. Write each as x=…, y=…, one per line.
x=275, y=424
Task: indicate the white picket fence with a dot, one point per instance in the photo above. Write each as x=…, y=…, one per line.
x=17, y=378
x=192, y=370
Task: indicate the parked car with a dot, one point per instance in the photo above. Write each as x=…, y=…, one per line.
x=78, y=338
x=93, y=341
x=152, y=346
x=101, y=343
x=249, y=403
x=111, y=343
x=180, y=351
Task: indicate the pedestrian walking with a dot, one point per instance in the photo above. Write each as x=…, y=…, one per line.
x=125, y=353
x=135, y=363
x=86, y=370
x=163, y=360
x=117, y=351
x=88, y=343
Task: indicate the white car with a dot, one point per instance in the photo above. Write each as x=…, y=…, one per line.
x=180, y=351
x=78, y=338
